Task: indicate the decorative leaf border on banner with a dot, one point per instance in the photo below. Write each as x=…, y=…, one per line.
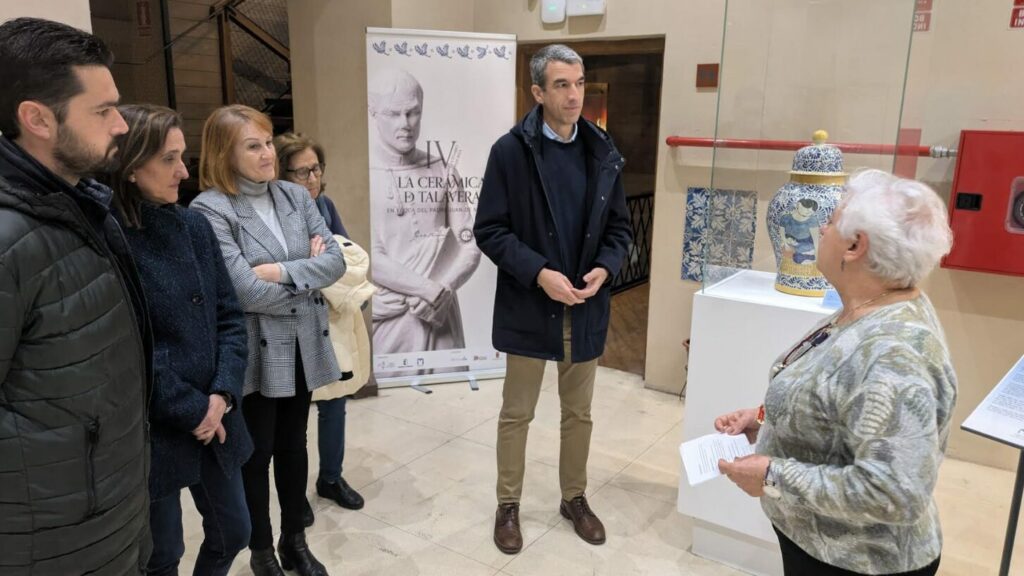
x=441, y=50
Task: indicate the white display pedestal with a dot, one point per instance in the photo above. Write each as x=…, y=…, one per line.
x=740, y=325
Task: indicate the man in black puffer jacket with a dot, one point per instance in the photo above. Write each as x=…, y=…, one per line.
x=73, y=337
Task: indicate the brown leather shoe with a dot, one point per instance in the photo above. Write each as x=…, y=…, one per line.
x=586, y=523
x=507, y=536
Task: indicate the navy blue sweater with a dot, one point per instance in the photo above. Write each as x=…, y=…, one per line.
x=199, y=346
x=564, y=167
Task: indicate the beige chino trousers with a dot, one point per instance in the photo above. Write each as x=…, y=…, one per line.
x=519, y=400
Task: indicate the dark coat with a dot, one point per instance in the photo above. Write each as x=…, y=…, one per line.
x=199, y=343
x=330, y=214
x=516, y=229
x=73, y=380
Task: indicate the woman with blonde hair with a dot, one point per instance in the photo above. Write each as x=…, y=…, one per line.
x=855, y=421
x=301, y=160
x=279, y=254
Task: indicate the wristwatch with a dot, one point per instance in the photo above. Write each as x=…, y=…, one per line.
x=228, y=400
x=771, y=486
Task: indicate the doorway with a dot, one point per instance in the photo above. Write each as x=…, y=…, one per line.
x=624, y=95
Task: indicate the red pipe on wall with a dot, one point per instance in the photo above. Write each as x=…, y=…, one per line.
x=885, y=149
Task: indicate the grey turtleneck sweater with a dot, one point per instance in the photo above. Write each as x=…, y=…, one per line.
x=258, y=194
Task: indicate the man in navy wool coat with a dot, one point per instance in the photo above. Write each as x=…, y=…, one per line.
x=552, y=216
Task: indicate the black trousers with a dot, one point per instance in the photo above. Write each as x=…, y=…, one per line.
x=796, y=562
x=278, y=430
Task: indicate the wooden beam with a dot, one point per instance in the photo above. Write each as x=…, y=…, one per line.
x=227, y=73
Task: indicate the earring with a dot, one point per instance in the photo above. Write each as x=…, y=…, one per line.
x=842, y=265
x=131, y=178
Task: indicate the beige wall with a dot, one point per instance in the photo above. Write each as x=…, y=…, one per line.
x=328, y=47
x=71, y=12
x=433, y=14
x=783, y=86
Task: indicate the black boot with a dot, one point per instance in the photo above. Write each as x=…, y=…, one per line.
x=295, y=555
x=264, y=563
x=340, y=492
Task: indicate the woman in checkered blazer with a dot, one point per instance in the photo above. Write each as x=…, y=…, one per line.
x=279, y=254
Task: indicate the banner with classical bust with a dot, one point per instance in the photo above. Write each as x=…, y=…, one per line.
x=436, y=102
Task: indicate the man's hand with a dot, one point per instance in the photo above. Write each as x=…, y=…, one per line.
x=558, y=287
x=747, y=472
x=211, y=424
x=594, y=279
x=268, y=272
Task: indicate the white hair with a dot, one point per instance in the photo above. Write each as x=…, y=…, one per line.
x=905, y=222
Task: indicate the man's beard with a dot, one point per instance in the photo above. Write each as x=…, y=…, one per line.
x=77, y=159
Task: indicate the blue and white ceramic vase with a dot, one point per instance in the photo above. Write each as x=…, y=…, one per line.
x=798, y=211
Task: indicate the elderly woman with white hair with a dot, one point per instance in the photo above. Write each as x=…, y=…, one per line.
x=856, y=417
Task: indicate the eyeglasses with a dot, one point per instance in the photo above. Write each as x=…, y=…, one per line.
x=304, y=172
x=813, y=339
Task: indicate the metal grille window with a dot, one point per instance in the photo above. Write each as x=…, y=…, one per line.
x=270, y=15
x=255, y=59
x=636, y=269
x=260, y=75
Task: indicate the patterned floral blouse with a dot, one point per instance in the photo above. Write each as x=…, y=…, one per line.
x=856, y=428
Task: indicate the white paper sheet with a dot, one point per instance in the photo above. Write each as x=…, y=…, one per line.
x=701, y=455
x=1001, y=415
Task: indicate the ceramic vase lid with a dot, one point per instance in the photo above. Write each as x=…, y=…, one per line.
x=818, y=159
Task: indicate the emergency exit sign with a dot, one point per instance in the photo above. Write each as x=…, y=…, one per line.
x=923, y=15
x=922, y=21
x=1017, y=17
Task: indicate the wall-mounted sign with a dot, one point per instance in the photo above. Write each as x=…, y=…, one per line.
x=707, y=75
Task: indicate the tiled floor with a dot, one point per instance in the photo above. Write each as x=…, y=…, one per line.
x=425, y=464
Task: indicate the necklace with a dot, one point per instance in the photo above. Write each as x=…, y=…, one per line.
x=835, y=322
x=822, y=334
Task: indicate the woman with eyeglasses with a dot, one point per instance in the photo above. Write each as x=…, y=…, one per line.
x=301, y=160
x=857, y=414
